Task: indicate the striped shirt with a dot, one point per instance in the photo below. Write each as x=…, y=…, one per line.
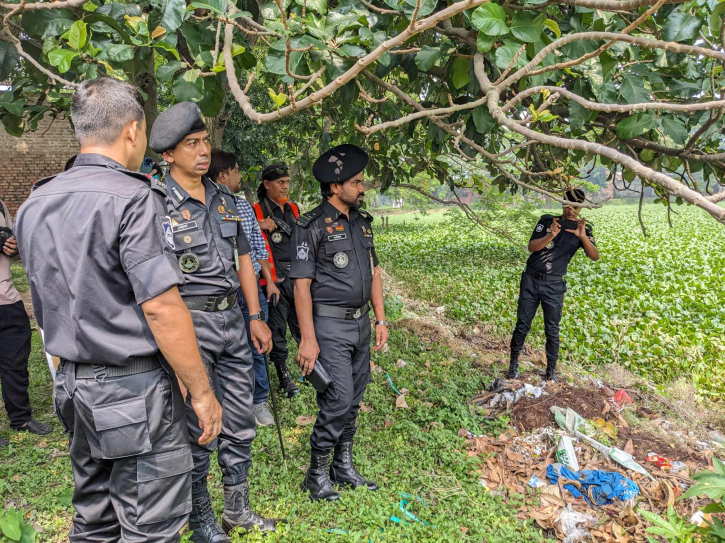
x=252, y=231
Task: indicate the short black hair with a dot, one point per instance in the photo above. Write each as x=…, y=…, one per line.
x=326, y=191
x=221, y=161
x=70, y=162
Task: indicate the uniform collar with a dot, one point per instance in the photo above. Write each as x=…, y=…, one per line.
x=334, y=213
x=95, y=159
x=274, y=205
x=179, y=195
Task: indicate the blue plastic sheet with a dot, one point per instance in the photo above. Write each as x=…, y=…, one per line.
x=597, y=487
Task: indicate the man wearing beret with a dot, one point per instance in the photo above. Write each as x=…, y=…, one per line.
x=336, y=274
x=213, y=254
x=277, y=216
x=542, y=282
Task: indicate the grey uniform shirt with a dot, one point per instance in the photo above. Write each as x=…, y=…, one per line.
x=94, y=242
x=210, y=230
x=336, y=253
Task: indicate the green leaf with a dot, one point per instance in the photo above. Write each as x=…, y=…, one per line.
x=14, y=107
x=352, y=51
x=716, y=19
x=47, y=22
x=9, y=58
x=673, y=528
x=117, y=52
x=426, y=7
x=10, y=524
x=578, y=115
x=505, y=56
x=708, y=484
x=167, y=47
x=278, y=99
x=635, y=125
x=28, y=534
x=172, y=14
x=527, y=26
x=714, y=507
x=213, y=101
x=681, y=26
x=14, y=126
x=633, y=90
x=78, y=35
x=237, y=49
x=62, y=58
x=482, y=120
x=166, y=72
x=608, y=65
x=647, y=155
x=460, y=72
x=553, y=26
x=484, y=42
x=217, y=6
x=674, y=128
x=427, y=57
x=189, y=87
x=490, y=19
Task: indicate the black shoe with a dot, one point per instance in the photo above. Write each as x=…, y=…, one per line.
x=342, y=471
x=202, y=520
x=550, y=374
x=4, y=442
x=513, y=372
x=317, y=479
x=238, y=513
x=286, y=384
x=35, y=427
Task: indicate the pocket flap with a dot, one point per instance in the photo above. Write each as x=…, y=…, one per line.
x=165, y=464
x=189, y=238
x=229, y=229
x=332, y=247
x=117, y=414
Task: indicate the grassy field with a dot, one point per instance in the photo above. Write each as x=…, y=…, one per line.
x=653, y=304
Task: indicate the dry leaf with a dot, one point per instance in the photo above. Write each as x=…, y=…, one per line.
x=304, y=420
x=464, y=529
x=427, y=365
x=158, y=31
x=365, y=408
x=462, y=432
x=388, y=423
x=401, y=363
x=629, y=447
x=606, y=409
x=400, y=402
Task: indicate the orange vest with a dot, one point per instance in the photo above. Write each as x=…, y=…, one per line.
x=260, y=217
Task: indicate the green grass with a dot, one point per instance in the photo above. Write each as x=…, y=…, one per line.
x=399, y=448
x=653, y=304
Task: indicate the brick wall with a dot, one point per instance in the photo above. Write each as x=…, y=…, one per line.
x=31, y=157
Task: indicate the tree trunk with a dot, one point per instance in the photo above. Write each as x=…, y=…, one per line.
x=146, y=81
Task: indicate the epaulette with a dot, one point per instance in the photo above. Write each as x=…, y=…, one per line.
x=40, y=182
x=365, y=215
x=159, y=186
x=305, y=219
x=546, y=216
x=223, y=188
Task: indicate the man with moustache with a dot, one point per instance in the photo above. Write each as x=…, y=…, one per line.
x=277, y=216
x=336, y=274
x=543, y=281
x=213, y=254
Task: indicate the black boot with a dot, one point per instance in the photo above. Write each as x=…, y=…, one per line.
x=317, y=479
x=342, y=472
x=238, y=513
x=202, y=520
x=513, y=372
x=550, y=374
x=285, y=382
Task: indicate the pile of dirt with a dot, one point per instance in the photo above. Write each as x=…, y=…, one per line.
x=532, y=413
x=646, y=442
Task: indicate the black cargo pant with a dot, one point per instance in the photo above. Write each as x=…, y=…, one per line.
x=130, y=455
x=281, y=315
x=15, y=337
x=223, y=344
x=345, y=355
x=550, y=294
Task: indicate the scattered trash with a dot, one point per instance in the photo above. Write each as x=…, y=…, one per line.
x=390, y=382
x=703, y=446
x=597, y=487
x=572, y=523
x=405, y=503
x=678, y=466
x=717, y=437
x=661, y=462
x=565, y=453
x=700, y=518
x=605, y=427
x=503, y=394
x=535, y=482
x=401, y=363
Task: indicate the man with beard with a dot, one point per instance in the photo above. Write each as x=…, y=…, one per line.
x=542, y=282
x=277, y=216
x=336, y=274
x=213, y=254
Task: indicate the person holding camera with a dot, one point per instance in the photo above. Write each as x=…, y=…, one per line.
x=553, y=244
x=15, y=338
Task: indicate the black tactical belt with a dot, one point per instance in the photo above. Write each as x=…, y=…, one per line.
x=282, y=265
x=543, y=276
x=140, y=364
x=347, y=313
x=211, y=303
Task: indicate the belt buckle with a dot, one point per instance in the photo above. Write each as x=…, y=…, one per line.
x=357, y=313
x=224, y=303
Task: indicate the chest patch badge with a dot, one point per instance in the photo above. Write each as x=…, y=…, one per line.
x=337, y=237
x=329, y=229
x=186, y=214
x=539, y=227
x=550, y=245
x=303, y=251
x=328, y=220
x=189, y=262
x=187, y=239
x=168, y=233
x=183, y=226
x=277, y=237
x=341, y=260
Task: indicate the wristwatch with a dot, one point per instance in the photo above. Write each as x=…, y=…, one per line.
x=384, y=323
x=257, y=316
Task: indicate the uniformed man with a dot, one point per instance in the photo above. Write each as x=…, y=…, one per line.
x=336, y=275
x=97, y=247
x=277, y=216
x=213, y=254
x=543, y=282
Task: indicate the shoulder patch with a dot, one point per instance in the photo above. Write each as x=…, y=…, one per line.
x=159, y=186
x=305, y=219
x=367, y=216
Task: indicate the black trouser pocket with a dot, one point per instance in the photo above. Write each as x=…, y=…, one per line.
x=123, y=428
x=164, y=486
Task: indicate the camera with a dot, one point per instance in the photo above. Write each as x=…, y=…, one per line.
x=148, y=165
x=568, y=225
x=5, y=234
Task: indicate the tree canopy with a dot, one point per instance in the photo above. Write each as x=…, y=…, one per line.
x=524, y=95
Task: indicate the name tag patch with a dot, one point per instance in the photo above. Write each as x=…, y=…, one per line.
x=337, y=237
x=184, y=226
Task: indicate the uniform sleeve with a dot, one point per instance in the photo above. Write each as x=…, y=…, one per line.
x=146, y=248
x=375, y=257
x=590, y=235
x=242, y=242
x=541, y=228
x=251, y=229
x=305, y=243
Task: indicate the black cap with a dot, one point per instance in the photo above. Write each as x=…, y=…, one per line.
x=575, y=195
x=340, y=164
x=174, y=124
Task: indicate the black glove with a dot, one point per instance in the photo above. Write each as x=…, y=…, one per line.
x=5, y=234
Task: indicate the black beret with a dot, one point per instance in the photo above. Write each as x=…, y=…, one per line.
x=275, y=171
x=174, y=124
x=339, y=164
x=575, y=195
